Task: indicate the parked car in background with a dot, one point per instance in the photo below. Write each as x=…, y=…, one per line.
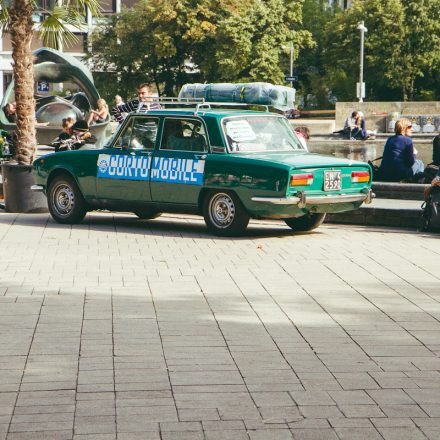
x=228, y=165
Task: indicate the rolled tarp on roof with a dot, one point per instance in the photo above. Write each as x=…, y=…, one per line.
x=280, y=97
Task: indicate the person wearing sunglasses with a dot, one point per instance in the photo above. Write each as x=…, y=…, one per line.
x=399, y=160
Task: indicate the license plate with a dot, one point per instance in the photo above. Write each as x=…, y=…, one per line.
x=332, y=180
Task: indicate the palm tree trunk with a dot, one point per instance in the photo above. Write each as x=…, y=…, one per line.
x=21, y=30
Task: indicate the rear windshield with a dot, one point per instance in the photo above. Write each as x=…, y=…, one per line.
x=259, y=133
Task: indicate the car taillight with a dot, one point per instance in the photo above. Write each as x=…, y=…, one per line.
x=301, y=179
x=360, y=176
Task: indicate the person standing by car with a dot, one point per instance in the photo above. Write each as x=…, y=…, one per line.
x=143, y=102
x=399, y=157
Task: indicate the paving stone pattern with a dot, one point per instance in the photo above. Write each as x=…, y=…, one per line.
x=125, y=329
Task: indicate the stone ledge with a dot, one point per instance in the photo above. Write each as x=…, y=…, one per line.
x=399, y=191
x=383, y=212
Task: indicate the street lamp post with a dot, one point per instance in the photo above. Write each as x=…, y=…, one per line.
x=291, y=62
x=361, y=87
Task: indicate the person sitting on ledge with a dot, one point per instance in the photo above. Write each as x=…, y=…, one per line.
x=10, y=112
x=80, y=136
x=399, y=157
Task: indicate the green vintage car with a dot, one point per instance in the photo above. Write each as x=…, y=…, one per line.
x=228, y=165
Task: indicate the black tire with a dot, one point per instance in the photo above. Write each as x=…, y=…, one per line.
x=307, y=222
x=147, y=214
x=65, y=201
x=224, y=213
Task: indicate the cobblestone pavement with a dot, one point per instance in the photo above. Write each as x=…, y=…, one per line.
x=126, y=329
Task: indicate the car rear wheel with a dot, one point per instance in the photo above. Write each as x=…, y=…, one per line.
x=65, y=201
x=147, y=214
x=224, y=213
x=307, y=222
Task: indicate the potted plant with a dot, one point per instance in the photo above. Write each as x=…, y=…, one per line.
x=17, y=20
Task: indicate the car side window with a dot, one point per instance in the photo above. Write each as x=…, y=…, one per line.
x=184, y=135
x=123, y=140
x=139, y=134
x=144, y=133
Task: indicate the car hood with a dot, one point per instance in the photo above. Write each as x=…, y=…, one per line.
x=302, y=159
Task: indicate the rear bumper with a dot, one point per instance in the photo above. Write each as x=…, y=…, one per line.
x=301, y=200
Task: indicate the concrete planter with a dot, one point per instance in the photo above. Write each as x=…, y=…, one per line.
x=17, y=182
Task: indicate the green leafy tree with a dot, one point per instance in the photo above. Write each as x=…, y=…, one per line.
x=402, y=45
x=166, y=42
x=171, y=42
x=419, y=51
x=16, y=17
x=384, y=20
x=251, y=42
x=310, y=65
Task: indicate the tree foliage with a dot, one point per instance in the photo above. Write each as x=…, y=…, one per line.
x=171, y=42
x=402, y=45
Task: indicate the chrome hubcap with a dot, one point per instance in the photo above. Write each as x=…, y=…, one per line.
x=221, y=210
x=63, y=199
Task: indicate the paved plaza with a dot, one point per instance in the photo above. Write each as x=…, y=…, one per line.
x=154, y=330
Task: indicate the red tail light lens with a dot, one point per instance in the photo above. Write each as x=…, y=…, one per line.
x=301, y=179
x=360, y=176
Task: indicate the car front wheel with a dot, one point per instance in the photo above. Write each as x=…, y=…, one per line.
x=224, y=213
x=65, y=201
x=307, y=222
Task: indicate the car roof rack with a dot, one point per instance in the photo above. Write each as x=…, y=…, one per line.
x=240, y=105
x=200, y=104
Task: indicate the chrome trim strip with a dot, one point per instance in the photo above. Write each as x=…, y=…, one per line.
x=39, y=188
x=315, y=200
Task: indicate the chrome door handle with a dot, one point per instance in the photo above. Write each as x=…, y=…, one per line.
x=200, y=156
x=141, y=153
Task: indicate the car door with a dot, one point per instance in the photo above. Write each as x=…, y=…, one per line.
x=124, y=168
x=177, y=168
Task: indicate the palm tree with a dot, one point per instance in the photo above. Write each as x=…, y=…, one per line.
x=16, y=17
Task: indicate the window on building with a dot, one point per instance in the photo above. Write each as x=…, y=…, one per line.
x=128, y=3
x=7, y=45
x=107, y=6
x=79, y=46
x=7, y=79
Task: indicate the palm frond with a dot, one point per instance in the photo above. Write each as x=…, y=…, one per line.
x=4, y=15
x=81, y=5
x=54, y=28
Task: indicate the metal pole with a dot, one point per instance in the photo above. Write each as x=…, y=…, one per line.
x=291, y=62
x=361, y=62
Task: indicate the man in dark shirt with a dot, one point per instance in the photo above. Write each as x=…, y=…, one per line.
x=142, y=103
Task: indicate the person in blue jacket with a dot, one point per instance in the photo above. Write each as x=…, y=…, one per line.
x=399, y=157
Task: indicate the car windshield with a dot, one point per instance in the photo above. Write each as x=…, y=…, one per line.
x=256, y=133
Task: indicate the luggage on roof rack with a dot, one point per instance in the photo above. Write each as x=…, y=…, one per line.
x=280, y=97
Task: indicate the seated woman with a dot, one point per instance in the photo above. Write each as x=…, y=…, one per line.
x=99, y=115
x=399, y=157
